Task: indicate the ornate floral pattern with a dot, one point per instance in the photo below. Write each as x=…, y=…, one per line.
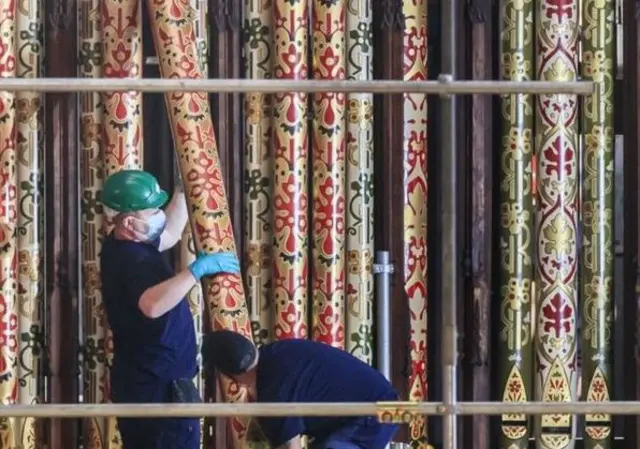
x=290, y=165
x=415, y=207
x=598, y=49
x=94, y=354
x=258, y=180
x=359, y=184
x=514, y=426
x=556, y=373
x=187, y=244
x=8, y=225
x=30, y=160
x=328, y=156
x=172, y=23
x=121, y=28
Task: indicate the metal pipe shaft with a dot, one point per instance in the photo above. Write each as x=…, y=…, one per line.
x=383, y=310
x=317, y=409
x=449, y=262
x=214, y=410
x=547, y=408
x=443, y=86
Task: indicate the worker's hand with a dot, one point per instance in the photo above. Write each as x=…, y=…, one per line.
x=210, y=264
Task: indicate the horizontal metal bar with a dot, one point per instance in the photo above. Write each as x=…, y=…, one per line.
x=317, y=409
x=440, y=87
x=220, y=409
x=544, y=408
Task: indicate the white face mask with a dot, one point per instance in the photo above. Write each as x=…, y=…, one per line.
x=154, y=225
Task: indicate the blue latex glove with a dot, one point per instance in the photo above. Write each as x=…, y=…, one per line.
x=210, y=264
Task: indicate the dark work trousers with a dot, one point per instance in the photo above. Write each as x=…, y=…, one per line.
x=176, y=433
x=155, y=433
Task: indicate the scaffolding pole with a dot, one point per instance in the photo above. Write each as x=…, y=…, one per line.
x=445, y=85
x=449, y=173
x=383, y=270
x=406, y=410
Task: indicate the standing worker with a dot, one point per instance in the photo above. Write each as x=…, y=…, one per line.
x=304, y=371
x=154, y=341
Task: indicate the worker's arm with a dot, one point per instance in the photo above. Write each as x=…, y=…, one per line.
x=293, y=443
x=177, y=218
x=157, y=300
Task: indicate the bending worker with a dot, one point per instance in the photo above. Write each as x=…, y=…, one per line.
x=154, y=342
x=304, y=371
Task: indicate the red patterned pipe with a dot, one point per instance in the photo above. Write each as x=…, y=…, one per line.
x=291, y=148
x=329, y=132
x=415, y=207
x=196, y=149
x=122, y=58
x=8, y=223
x=556, y=335
x=121, y=22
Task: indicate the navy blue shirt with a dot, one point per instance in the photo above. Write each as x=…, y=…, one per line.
x=308, y=371
x=148, y=352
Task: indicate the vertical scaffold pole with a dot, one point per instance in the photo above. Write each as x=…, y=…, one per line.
x=449, y=221
x=383, y=269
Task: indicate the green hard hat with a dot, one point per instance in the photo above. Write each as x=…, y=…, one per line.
x=133, y=190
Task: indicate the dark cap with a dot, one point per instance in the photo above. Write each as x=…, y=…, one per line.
x=228, y=352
